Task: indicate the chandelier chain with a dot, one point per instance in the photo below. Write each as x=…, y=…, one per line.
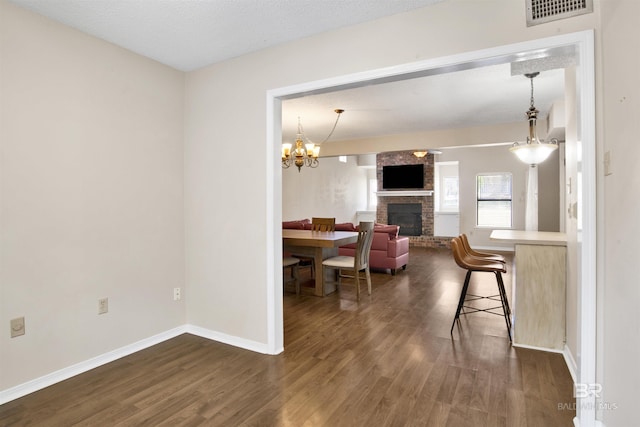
x=301, y=129
x=334, y=127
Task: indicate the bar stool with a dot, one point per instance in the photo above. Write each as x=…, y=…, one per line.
x=480, y=255
x=465, y=261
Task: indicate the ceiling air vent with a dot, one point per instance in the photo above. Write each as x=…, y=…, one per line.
x=541, y=11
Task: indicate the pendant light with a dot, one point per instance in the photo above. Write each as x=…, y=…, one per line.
x=534, y=151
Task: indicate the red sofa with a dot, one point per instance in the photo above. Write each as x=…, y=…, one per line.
x=388, y=250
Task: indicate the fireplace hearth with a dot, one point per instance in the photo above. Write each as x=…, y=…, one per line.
x=408, y=216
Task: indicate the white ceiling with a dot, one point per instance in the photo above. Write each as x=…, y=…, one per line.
x=468, y=98
x=190, y=34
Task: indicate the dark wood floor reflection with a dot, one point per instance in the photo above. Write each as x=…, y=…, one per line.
x=388, y=360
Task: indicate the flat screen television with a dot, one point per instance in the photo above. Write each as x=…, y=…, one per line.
x=403, y=177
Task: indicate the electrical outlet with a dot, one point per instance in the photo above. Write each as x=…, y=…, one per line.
x=177, y=294
x=17, y=327
x=103, y=305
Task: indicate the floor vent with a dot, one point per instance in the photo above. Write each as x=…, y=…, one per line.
x=541, y=11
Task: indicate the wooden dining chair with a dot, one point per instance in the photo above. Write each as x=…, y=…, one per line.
x=465, y=261
x=317, y=224
x=291, y=263
x=323, y=224
x=357, y=263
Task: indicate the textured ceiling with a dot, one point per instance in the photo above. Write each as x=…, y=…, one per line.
x=190, y=34
x=469, y=98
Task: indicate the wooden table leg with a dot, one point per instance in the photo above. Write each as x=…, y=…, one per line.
x=319, y=279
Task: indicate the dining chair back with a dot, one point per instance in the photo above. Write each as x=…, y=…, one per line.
x=363, y=247
x=323, y=224
x=356, y=263
x=317, y=224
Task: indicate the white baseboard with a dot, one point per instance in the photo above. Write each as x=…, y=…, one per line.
x=79, y=368
x=571, y=363
x=533, y=347
x=73, y=370
x=566, y=353
x=258, y=347
x=598, y=423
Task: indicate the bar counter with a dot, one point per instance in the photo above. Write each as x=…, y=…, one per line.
x=539, y=288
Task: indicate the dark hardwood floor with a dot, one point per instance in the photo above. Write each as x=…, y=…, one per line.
x=388, y=360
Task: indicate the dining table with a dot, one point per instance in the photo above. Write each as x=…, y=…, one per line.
x=318, y=245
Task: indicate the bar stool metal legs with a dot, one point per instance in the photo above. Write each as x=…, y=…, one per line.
x=472, y=264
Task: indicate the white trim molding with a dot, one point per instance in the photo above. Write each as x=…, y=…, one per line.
x=402, y=193
x=79, y=368
x=583, y=44
x=571, y=363
x=256, y=346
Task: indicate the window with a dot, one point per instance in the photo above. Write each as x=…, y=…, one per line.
x=494, y=200
x=446, y=185
x=373, y=197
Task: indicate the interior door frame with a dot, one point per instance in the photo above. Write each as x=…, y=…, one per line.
x=582, y=45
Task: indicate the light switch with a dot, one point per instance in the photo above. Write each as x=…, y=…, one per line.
x=607, y=163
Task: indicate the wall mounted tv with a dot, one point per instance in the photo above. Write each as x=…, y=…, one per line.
x=403, y=177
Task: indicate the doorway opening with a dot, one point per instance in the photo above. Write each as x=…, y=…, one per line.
x=579, y=44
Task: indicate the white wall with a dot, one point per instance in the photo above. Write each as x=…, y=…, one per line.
x=549, y=189
x=91, y=196
x=476, y=160
x=570, y=218
x=619, y=293
x=72, y=106
x=334, y=189
x=215, y=132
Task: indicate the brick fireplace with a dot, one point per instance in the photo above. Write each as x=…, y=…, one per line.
x=421, y=201
x=408, y=216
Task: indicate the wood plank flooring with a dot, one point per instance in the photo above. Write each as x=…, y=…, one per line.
x=386, y=361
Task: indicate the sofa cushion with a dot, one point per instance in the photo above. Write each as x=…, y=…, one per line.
x=380, y=242
x=296, y=224
x=392, y=230
x=346, y=226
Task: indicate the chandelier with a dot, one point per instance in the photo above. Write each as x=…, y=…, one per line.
x=534, y=151
x=304, y=154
